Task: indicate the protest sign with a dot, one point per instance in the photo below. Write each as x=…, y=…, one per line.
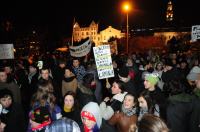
x=6, y=51
x=103, y=61
x=195, y=34
x=82, y=50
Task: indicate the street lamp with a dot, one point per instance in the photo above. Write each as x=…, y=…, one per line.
x=126, y=8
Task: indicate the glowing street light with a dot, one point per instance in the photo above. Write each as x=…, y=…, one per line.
x=126, y=8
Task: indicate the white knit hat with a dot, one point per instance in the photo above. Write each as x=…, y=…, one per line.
x=193, y=75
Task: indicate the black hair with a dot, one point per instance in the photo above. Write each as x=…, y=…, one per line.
x=74, y=96
x=5, y=93
x=120, y=84
x=150, y=102
x=87, y=79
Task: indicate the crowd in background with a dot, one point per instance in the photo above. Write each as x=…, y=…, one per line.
x=149, y=92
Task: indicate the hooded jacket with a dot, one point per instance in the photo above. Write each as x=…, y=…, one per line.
x=94, y=109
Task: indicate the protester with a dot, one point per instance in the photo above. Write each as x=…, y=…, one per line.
x=69, y=81
x=127, y=82
x=150, y=84
x=127, y=116
x=40, y=118
x=85, y=90
x=151, y=123
x=92, y=119
x=70, y=107
x=195, y=115
x=147, y=105
x=11, y=85
x=109, y=106
x=180, y=106
x=78, y=69
x=11, y=114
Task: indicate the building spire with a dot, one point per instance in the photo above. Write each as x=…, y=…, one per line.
x=169, y=12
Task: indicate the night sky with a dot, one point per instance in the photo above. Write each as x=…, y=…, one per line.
x=57, y=16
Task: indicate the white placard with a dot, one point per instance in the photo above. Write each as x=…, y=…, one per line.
x=103, y=61
x=195, y=34
x=6, y=51
x=82, y=50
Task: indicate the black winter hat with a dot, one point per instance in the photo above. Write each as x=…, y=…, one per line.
x=123, y=72
x=40, y=115
x=5, y=92
x=168, y=62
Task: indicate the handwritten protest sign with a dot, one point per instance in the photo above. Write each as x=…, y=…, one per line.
x=6, y=51
x=103, y=61
x=82, y=50
x=195, y=33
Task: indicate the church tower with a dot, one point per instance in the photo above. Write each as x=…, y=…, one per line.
x=169, y=12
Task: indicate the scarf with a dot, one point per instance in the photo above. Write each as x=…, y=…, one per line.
x=67, y=109
x=69, y=79
x=41, y=126
x=129, y=112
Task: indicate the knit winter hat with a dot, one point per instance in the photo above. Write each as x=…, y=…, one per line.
x=152, y=78
x=40, y=115
x=94, y=109
x=193, y=75
x=123, y=72
x=195, y=69
x=88, y=115
x=5, y=92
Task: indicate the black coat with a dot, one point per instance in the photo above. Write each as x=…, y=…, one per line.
x=178, y=112
x=195, y=115
x=74, y=115
x=14, y=119
x=84, y=95
x=159, y=99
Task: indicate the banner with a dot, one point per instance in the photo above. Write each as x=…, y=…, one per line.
x=82, y=50
x=6, y=51
x=113, y=46
x=195, y=33
x=103, y=61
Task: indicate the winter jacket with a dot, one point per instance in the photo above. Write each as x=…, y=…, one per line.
x=178, y=112
x=195, y=115
x=74, y=115
x=14, y=119
x=84, y=95
x=69, y=84
x=108, y=108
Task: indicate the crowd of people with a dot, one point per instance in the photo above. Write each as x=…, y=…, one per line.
x=148, y=93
